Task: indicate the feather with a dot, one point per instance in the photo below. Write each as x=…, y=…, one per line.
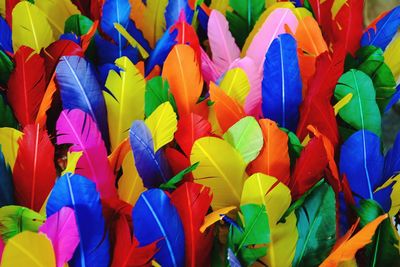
x=137, y=13
x=131, y=39
x=28, y=249
x=130, y=185
x=17, y=219
x=274, y=155
x=221, y=168
x=80, y=194
x=192, y=202
x=34, y=173
x=236, y=84
x=6, y=67
x=27, y=85
x=2, y=245
x=115, y=11
x=223, y=47
x=175, y=9
x=77, y=128
x=30, y=27
x=45, y=105
x=7, y=118
x=273, y=26
x=151, y=166
x=62, y=230
x=118, y=155
x=124, y=100
x=246, y=137
x=162, y=125
x=228, y=110
x=187, y=35
x=233, y=261
x=281, y=86
x=5, y=36
x=179, y=164
x=64, y=8
x=392, y=52
x=215, y=216
x=323, y=14
x=9, y=144
x=72, y=161
x=392, y=160
x=275, y=198
x=182, y=72
x=157, y=92
x=382, y=30
x=208, y=69
x=162, y=223
x=154, y=22
x=80, y=90
x=347, y=247
x=190, y=128
x=7, y=7
x=6, y=183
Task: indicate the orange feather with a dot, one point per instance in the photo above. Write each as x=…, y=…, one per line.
x=46, y=103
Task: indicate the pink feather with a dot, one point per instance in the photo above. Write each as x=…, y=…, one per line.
x=77, y=128
x=252, y=105
x=271, y=28
x=208, y=68
x=2, y=245
x=62, y=230
x=223, y=47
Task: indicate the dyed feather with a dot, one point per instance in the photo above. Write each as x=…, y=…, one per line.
x=28, y=249
x=30, y=27
x=9, y=144
x=5, y=36
x=208, y=69
x=192, y=202
x=27, y=85
x=391, y=53
x=130, y=185
x=80, y=194
x=281, y=86
x=80, y=90
x=382, y=30
x=392, y=160
x=62, y=230
x=34, y=173
x=6, y=67
x=46, y=103
x=187, y=35
x=124, y=100
x=223, y=176
x=162, y=223
x=77, y=128
x=131, y=39
x=157, y=92
x=175, y=9
x=236, y=84
x=6, y=183
x=223, y=47
x=182, y=72
x=154, y=22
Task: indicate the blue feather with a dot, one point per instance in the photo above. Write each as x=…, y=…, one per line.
x=362, y=162
x=161, y=50
x=233, y=261
x=392, y=160
x=386, y=28
x=174, y=9
x=102, y=73
x=80, y=90
x=138, y=36
x=79, y=193
x=6, y=183
x=155, y=218
x=115, y=11
x=202, y=18
x=108, y=52
x=71, y=37
x=5, y=36
x=281, y=85
x=395, y=98
x=152, y=168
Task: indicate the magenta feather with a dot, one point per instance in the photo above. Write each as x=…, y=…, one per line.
x=208, y=68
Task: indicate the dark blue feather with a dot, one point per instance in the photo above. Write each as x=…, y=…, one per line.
x=79, y=193
x=5, y=36
x=152, y=168
x=281, y=85
x=80, y=90
x=102, y=73
x=361, y=161
x=71, y=37
x=138, y=36
x=161, y=50
x=392, y=160
x=108, y=52
x=386, y=29
x=155, y=218
x=115, y=11
x=6, y=183
x=202, y=17
x=395, y=98
x=174, y=9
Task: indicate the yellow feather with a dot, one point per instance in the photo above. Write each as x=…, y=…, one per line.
x=131, y=40
x=30, y=27
x=9, y=144
x=126, y=103
x=130, y=185
x=3, y=8
x=392, y=55
x=267, y=190
x=28, y=249
x=220, y=5
x=395, y=195
x=236, y=84
x=57, y=11
x=154, y=21
x=214, y=217
x=162, y=124
x=212, y=118
x=72, y=160
x=221, y=168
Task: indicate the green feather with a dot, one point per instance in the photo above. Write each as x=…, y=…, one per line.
x=316, y=224
x=255, y=232
x=362, y=111
x=383, y=251
x=16, y=219
x=294, y=146
x=6, y=67
x=243, y=17
x=157, y=92
x=6, y=115
x=77, y=24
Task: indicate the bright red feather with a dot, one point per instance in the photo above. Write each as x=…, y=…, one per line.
x=323, y=14
x=187, y=35
x=178, y=162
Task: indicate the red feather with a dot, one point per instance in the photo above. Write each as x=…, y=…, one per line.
x=34, y=173
x=178, y=162
x=190, y=128
x=309, y=167
x=26, y=85
x=10, y=4
x=323, y=14
x=192, y=202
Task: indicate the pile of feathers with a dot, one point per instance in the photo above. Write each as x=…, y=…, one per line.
x=197, y=133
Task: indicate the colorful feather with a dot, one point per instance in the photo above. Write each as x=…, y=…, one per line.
x=9, y=144
x=175, y=9
x=130, y=185
x=6, y=183
x=154, y=21
x=390, y=54
x=236, y=84
x=5, y=36
x=115, y=11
